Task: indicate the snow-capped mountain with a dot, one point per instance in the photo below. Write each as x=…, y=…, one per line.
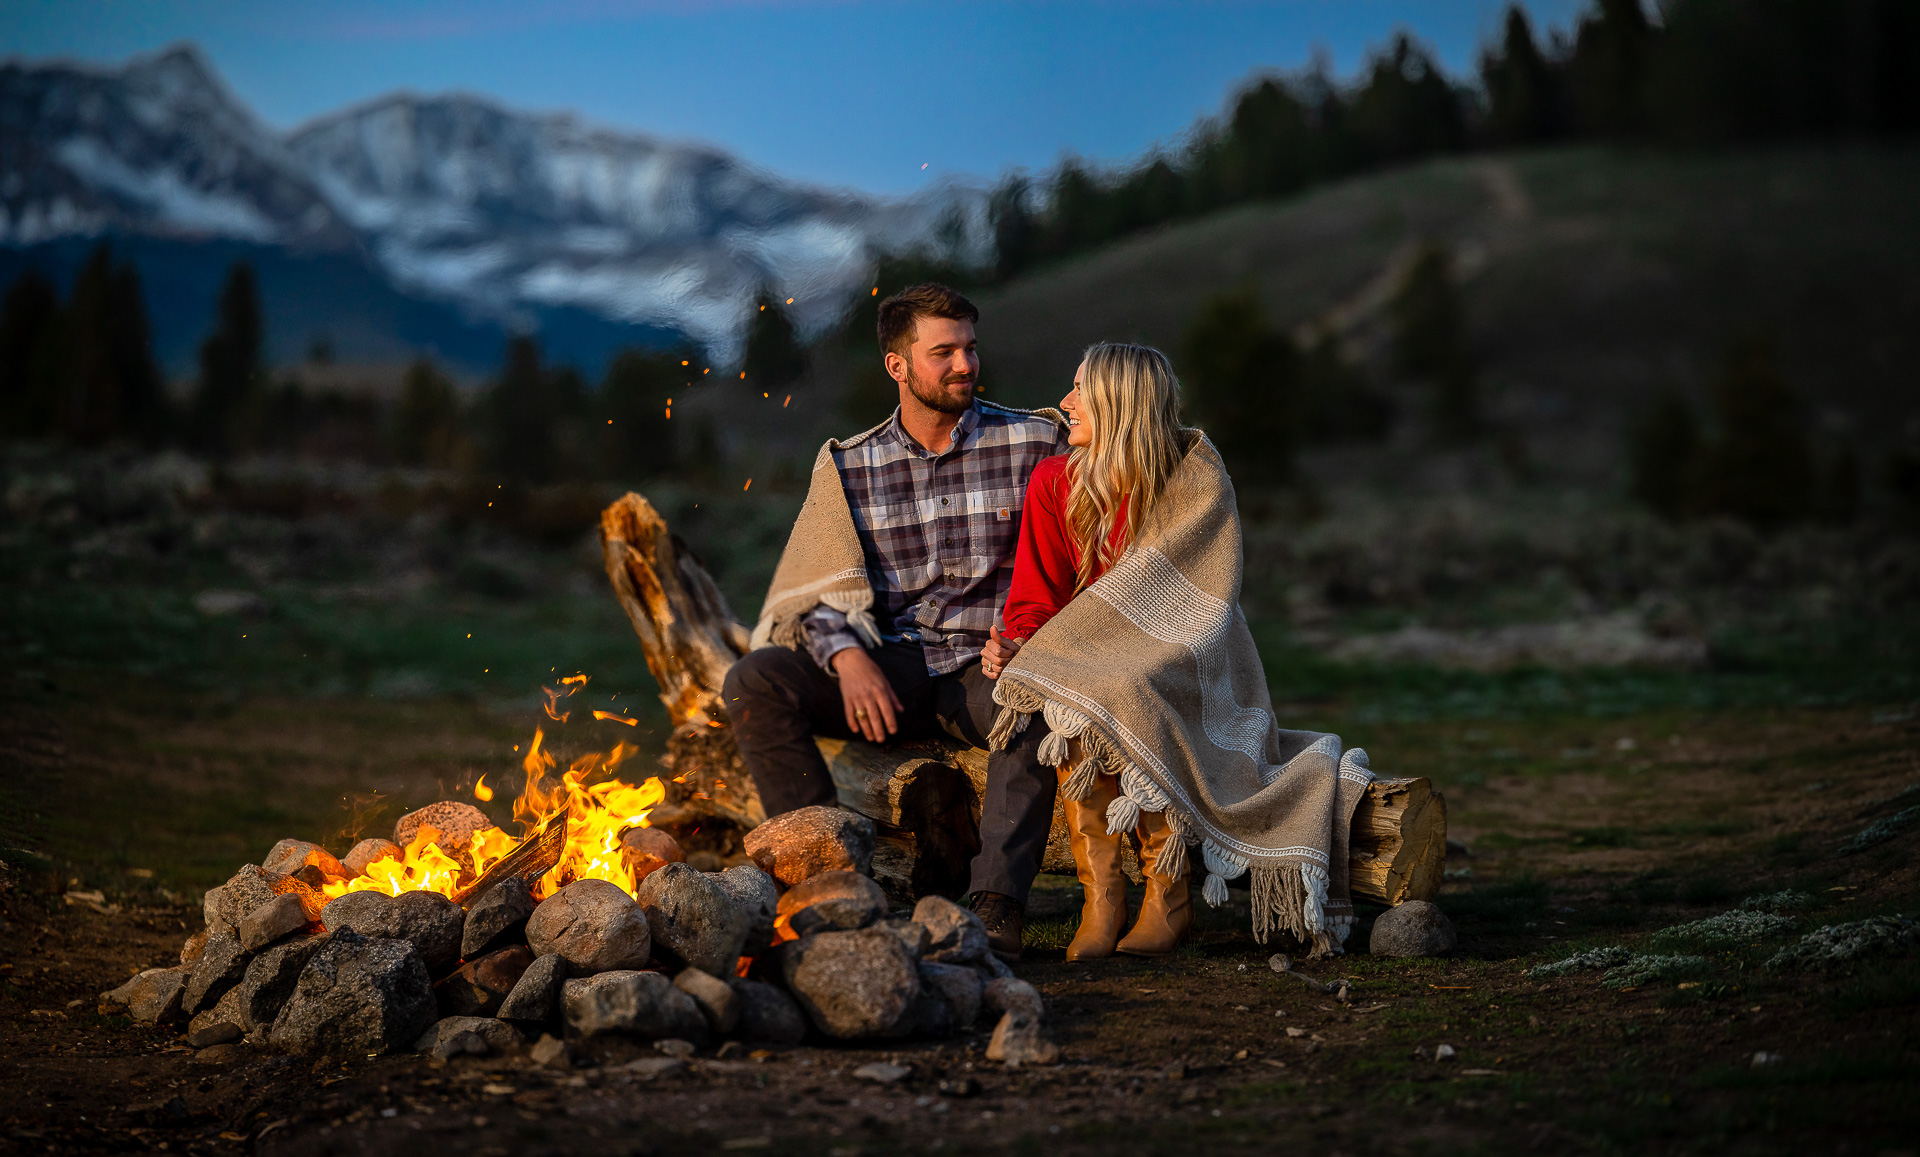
x=453, y=197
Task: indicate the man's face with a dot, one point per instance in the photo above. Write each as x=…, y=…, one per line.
x=942, y=365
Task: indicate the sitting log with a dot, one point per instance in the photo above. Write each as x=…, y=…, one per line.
x=924, y=797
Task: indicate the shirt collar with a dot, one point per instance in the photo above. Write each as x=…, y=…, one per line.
x=968, y=423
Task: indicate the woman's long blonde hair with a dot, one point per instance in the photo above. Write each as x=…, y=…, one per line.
x=1132, y=400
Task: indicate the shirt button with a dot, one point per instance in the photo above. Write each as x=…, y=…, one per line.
x=949, y=542
x=945, y=501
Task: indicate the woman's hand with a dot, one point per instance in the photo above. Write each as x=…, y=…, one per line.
x=998, y=653
x=872, y=707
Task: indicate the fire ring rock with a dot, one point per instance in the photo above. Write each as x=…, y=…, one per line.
x=833, y=902
x=501, y=910
x=795, y=845
x=250, y=887
x=357, y=995
x=281, y=916
x=645, y=851
x=694, y=919
x=958, y=987
x=641, y=1004
x=755, y=894
x=717, y=1000
x=955, y=935
x=497, y=1035
x=153, y=996
x=1414, y=928
x=289, y=856
x=478, y=987
x=595, y=925
x=429, y=921
x=270, y=979
x=221, y=965
x=853, y=984
x=767, y=1014
x=222, y=1024
x=368, y=852
x=455, y=821
x=536, y=995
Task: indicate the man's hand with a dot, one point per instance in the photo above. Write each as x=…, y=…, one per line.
x=998, y=653
x=872, y=707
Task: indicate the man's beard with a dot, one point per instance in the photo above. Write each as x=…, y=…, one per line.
x=935, y=398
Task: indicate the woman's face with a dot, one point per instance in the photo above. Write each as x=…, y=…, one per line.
x=1079, y=422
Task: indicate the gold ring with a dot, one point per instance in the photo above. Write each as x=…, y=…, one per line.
x=859, y=712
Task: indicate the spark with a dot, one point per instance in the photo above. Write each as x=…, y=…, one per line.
x=748, y=486
x=598, y=714
x=783, y=405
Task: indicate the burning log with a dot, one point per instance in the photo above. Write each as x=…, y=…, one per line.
x=923, y=797
x=536, y=855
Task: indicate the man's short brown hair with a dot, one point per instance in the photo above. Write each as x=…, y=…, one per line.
x=928, y=299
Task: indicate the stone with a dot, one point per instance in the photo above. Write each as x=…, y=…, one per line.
x=226, y=906
x=994, y=968
x=883, y=1073
x=716, y=998
x=958, y=987
x=429, y=921
x=495, y=1036
x=153, y=996
x=640, y=1004
x=1011, y=994
x=1415, y=928
x=459, y=1044
x=931, y=1016
x=1017, y=1040
x=190, y=950
x=832, y=902
x=767, y=1014
x=798, y=844
x=479, y=987
x=358, y=995
x=455, y=821
x=221, y=1024
x=221, y=965
x=754, y=893
x=536, y=995
x=289, y=856
x=955, y=934
x=694, y=920
x=675, y=1047
x=645, y=851
x=270, y=979
x=595, y=925
x=551, y=1052
x=649, y=1068
x=853, y=984
x=279, y=917
x=221, y=1054
x=913, y=935
x=368, y=852
x=496, y=917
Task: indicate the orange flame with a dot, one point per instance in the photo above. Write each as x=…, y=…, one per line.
x=481, y=791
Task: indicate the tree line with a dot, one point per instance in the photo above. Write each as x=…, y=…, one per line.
x=1709, y=72
x=81, y=371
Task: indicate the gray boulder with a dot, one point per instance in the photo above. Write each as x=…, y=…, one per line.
x=716, y=998
x=289, y=856
x=368, y=852
x=1415, y=928
x=595, y=925
x=478, y=987
x=1010, y=994
x=1018, y=1040
x=429, y=921
x=795, y=845
x=645, y=851
x=639, y=1004
x=536, y=995
x=912, y=934
x=221, y=1024
x=498, y=1036
x=153, y=996
x=497, y=916
x=767, y=1014
x=270, y=979
x=957, y=987
x=832, y=902
x=221, y=965
x=358, y=995
x=279, y=917
x=226, y=906
x=694, y=920
x=755, y=894
x=955, y=935
x=853, y=984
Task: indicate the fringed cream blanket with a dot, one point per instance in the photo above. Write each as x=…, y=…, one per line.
x=823, y=562
x=1153, y=669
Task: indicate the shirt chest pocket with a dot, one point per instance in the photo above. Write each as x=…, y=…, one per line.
x=993, y=506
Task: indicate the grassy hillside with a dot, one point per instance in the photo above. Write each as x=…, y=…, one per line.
x=1593, y=277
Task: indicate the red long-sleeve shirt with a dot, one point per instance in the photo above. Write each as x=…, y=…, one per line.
x=1046, y=563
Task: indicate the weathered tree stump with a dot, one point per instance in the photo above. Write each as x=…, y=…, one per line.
x=924, y=797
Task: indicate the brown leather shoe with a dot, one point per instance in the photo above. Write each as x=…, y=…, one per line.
x=1096, y=861
x=1005, y=919
x=1166, y=916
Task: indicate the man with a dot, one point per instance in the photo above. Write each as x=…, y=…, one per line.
x=888, y=591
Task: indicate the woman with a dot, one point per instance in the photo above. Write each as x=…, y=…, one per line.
x=1123, y=627
x=1123, y=422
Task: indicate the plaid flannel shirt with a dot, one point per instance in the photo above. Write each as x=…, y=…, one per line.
x=939, y=530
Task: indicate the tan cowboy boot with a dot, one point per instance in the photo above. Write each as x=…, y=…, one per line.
x=1096, y=861
x=1167, y=914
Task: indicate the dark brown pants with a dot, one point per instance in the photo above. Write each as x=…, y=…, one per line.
x=780, y=699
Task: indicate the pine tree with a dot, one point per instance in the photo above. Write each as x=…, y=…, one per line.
x=1244, y=380
x=232, y=384
x=1430, y=344
x=426, y=419
x=1521, y=89
x=521, y=418
x=1014, y=233
x=1407, y=108
x=636, y=437
x=111, y=387
x=775, y=357
x=1609, y=69
x=29, y=357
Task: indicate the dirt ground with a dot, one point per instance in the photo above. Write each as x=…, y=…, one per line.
x=1576, y=833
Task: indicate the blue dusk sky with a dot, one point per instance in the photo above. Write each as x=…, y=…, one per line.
x=852, y=94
